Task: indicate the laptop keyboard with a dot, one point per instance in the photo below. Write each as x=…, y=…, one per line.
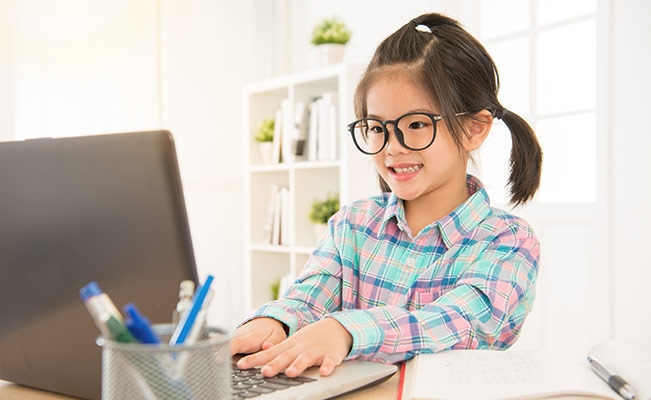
x=250, y=383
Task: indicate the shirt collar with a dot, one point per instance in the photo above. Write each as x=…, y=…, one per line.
x=454, y=226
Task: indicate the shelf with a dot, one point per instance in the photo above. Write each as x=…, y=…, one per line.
x=270, y=248
x=299, y=165
x=351, y=176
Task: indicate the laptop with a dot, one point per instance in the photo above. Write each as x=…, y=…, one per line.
x=105, y=208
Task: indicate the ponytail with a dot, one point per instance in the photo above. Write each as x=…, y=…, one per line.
x=526, y=158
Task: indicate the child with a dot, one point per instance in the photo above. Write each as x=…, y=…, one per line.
x=429, y=265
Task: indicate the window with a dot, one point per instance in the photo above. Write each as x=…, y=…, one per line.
x=546, y=54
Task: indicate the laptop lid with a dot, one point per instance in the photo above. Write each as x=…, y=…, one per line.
x=107, y=208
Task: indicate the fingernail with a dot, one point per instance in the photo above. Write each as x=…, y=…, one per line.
x=266, y=370
x=291, y=370
x=241, y=364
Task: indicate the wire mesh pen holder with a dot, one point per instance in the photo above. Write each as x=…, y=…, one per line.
x=193, y=372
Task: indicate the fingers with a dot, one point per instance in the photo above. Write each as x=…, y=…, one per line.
x=243, y=344
x=301, y=363
x=274, y=338
x=260, y=358
x=328, y=365
x=257, y=334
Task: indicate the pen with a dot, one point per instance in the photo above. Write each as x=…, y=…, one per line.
x=186, y=290
x=185, y=325
x=139, y=326
x=616, y=382
x=200, y=320
x=106, y=316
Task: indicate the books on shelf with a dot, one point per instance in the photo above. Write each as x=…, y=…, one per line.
x=308, y=131
x=277, y=221
x=525, y=374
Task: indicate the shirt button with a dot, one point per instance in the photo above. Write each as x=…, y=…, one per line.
x=411, y=262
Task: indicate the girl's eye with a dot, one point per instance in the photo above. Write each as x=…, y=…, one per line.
x=417, y=125
x=375, y=129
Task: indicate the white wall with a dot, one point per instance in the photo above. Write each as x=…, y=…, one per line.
x=6, y=82
x=81, y=67
x=631, y=166
x=206, y=56
x=370, y=20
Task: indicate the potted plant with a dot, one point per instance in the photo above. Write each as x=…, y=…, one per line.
x=321, y=212
x=330, y=36
x=265, y=136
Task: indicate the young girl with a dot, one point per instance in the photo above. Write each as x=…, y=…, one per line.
x=429, y=265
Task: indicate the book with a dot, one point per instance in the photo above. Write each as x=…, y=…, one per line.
x=312, y=130
x=269, y=220
x=278, y=123
x=284, y=217
x=524, y=374
x=277, y=208
x=287, y=132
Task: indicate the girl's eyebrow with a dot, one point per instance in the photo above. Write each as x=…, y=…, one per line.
x=423, y=110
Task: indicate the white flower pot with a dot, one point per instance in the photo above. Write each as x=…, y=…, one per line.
x=319, y=230
x=266, y=149
x=330, y=53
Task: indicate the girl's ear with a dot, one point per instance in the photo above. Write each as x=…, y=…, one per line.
x=477, y=128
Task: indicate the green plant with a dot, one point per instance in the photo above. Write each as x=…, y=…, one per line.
x=265, y=132
x=324, y=209
x=331, y=31
x=275, y=287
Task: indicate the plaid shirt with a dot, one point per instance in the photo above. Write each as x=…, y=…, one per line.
x=465, y=281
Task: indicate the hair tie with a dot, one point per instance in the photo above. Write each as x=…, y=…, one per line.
x=499, y=114
x=421, y=27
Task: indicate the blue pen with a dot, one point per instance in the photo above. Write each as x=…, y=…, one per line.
x=139, y=326
x=185, y=326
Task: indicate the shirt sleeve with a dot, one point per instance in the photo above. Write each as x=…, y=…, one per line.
x=484, y=309
x=317, y=290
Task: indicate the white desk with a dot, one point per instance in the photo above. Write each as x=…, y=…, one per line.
x=385, y=390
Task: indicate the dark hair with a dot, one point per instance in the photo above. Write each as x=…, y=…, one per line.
x=461, y=77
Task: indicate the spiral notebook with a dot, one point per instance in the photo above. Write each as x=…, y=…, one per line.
x=524, y=374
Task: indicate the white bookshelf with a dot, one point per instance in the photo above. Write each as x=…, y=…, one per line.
x=351, y=175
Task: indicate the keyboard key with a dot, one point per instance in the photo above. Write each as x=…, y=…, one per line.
x=303, y=379
x=282, y=381
x=274, y=386
x=260, y=389
x=248, y=395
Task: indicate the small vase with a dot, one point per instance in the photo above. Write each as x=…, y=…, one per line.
x=319, y=230
x=330, y=53
x=266, y=149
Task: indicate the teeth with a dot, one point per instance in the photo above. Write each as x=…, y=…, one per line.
x=407, y=170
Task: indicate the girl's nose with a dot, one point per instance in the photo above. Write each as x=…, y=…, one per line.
x=393, y=146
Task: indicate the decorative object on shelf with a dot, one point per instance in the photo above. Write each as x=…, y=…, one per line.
x=321, y=212
x=265, y=136
x=330, y=36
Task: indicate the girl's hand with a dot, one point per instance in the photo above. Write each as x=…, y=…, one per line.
x=325, y=343
x=257, y=334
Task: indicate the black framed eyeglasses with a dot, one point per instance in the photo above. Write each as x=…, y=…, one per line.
x=415, y=131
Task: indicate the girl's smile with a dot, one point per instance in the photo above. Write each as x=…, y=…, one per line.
x=403, y=171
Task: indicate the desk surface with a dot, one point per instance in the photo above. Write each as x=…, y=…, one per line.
x=385, y=390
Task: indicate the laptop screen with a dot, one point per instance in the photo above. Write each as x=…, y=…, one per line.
x=107, y=208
